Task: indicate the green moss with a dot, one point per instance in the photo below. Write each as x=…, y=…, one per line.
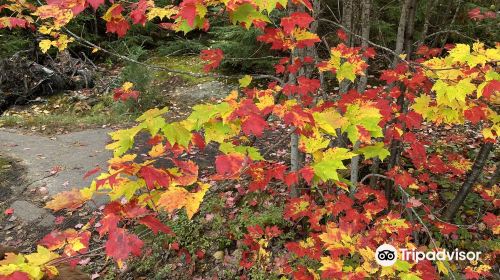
x=14, y=41
x=192, y=64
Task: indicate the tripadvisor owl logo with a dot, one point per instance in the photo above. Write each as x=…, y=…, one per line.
x=386, y=255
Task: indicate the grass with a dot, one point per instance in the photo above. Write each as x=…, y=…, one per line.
x=61, y=115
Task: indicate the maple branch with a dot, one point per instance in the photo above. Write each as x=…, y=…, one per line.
x=375, y=175
x=279, y=142
x=89, y=44
x=366, y=40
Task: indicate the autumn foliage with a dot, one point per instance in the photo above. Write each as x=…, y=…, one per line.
x=341, y=224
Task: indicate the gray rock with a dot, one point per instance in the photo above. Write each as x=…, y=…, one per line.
x=76, y=153
x=47, y=221
x=28, y=212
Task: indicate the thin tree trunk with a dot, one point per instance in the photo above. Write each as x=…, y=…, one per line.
x=472, y=177
x=428, y=13
x=374, y=170
x=365, y=33
x=410, y=28
x=395, y=150
x=295, y=157
x=400, y=39
x=451, y=23
x=347, y=19
x=347, y=23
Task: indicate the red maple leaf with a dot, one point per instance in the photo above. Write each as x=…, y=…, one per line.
x=446, y=228
x=138, y=15
x=125, y=94
x=475, y=114
x=229, y=166
x=95, y=3
x=188, y=10
x=155, y=225
x=121, y=245
x=108, y=224
x=299, y=19
x=198, y=140
x=417, y=154
x=307, y=173
x=342, y=35
x=492, y=87
x=9, y=211
x=364, y=134
x=436, y=165
x=254, y=124
x=291, y=178
x=492, y=220
x=91, y=172
x=369, y=53
x=154, y=177
x=12, y=22
x=213, y=57
x=17, y=275
x=412, y=119
x=119, y=27
x=404, y=179
x=475, y=14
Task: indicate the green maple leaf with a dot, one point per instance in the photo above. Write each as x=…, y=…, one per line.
x=245, y=81
x=331, y=161
x=154, y=124
x=126, y=189
x=246, y=14
x=376, y=150
x=176, y=133
x=402, y=266
x=362, y=115
x=149, y=114
x=252, y=152
x=269, y=5
x=346, y=71
x=460, y=53
x=203, y=113
x=422, y=104
x=329, y=120
x=313, y=144
x=408, y=276
x=124, y=140
x=217, y=132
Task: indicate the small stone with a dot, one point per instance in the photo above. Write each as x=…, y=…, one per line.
x=6, y=166
x=219, y=255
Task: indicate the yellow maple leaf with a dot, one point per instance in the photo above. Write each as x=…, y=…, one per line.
x=42, y=256
x=176, y=198
x=45, y=45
